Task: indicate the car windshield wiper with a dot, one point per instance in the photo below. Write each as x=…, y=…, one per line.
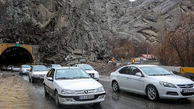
x=88, y=69
x=80, y=77
x=63, y=78
x=159, y=74
x=167, y=74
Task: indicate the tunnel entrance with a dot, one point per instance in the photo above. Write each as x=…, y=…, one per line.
x=16, y=56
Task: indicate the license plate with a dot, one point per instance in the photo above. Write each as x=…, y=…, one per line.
x=188, y=90
x=85, y=97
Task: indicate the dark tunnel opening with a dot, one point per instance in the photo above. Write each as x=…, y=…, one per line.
x=15, y=56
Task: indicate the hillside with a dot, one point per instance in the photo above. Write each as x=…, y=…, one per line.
x=63, y=26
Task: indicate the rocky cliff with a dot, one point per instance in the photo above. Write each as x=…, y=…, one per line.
x=63, y=26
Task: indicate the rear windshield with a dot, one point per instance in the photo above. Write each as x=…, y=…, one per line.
x=56, y=65
x=40, y=68
x=25, y=66
x=86, y=67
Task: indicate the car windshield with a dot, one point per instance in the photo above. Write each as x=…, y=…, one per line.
x=25, y=66
x=155, y=71
x=86, y=67
x=71, y=73
x=40, y=68
x=56, y=65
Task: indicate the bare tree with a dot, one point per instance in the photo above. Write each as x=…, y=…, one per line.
x=177, y=46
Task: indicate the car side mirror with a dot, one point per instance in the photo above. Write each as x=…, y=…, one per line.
x=139, y=74
x=50, y=78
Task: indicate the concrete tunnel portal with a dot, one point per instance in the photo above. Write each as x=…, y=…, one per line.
x=16, y=56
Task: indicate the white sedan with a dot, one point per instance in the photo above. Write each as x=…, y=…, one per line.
x=25, y=69
x=90, y=70
x=153, y=81
x=72, y=86
x=37, y=72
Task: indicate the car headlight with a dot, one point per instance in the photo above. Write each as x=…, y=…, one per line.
x=166, y=84
x=101, y=89
x=64, y=91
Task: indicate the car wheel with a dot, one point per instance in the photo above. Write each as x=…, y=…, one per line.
x=29, y=79
x=45, y=92
x=115, y=86
x=32, y=79
x=152, y=93
x=57, y=99
x=96, y=104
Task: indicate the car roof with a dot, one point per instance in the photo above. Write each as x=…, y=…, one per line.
x=142, y=65
x=38, y=65
x=60, y=68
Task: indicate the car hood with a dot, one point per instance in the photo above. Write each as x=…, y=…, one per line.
x=79, y=84
x=175, y=79
x=40, y=72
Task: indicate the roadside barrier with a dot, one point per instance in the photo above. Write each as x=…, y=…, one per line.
x=187, y=70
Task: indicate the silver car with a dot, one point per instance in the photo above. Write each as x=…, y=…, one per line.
x=25, y=69
x=73, y=86
x=37, y=72
x=153, y=81
x=90, y=70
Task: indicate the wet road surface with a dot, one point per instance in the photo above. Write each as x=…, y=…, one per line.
x=121, y=100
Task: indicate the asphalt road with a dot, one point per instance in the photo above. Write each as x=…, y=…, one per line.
x=121, y=100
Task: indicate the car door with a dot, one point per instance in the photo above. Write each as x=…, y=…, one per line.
x=123, y=77
x=49, y=83
x=136, y=82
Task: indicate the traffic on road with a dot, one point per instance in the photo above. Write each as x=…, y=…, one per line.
x=134, y=86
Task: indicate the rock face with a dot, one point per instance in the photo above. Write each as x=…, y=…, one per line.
x=62, y=26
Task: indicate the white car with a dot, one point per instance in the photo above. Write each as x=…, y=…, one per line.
x=72, y=86
x=37, y=72
x=15, y=69
x=153, y=81
x=25, y=69
x=9, y=68
x=55, y=65
x=90, y=70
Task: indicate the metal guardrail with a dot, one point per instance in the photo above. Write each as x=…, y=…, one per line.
x=180, y=69
x=172, y=68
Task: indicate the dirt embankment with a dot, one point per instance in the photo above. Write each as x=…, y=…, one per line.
x=13, y=92
x=105, y=68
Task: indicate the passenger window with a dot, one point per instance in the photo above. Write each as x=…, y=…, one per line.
x=48, y=74
x=125, y=70
x=134, y=70
x=51, y=73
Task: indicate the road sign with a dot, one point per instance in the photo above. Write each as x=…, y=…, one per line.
x=187, y=69
x=113, y=59
x=17, y=45
x=134, y=60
